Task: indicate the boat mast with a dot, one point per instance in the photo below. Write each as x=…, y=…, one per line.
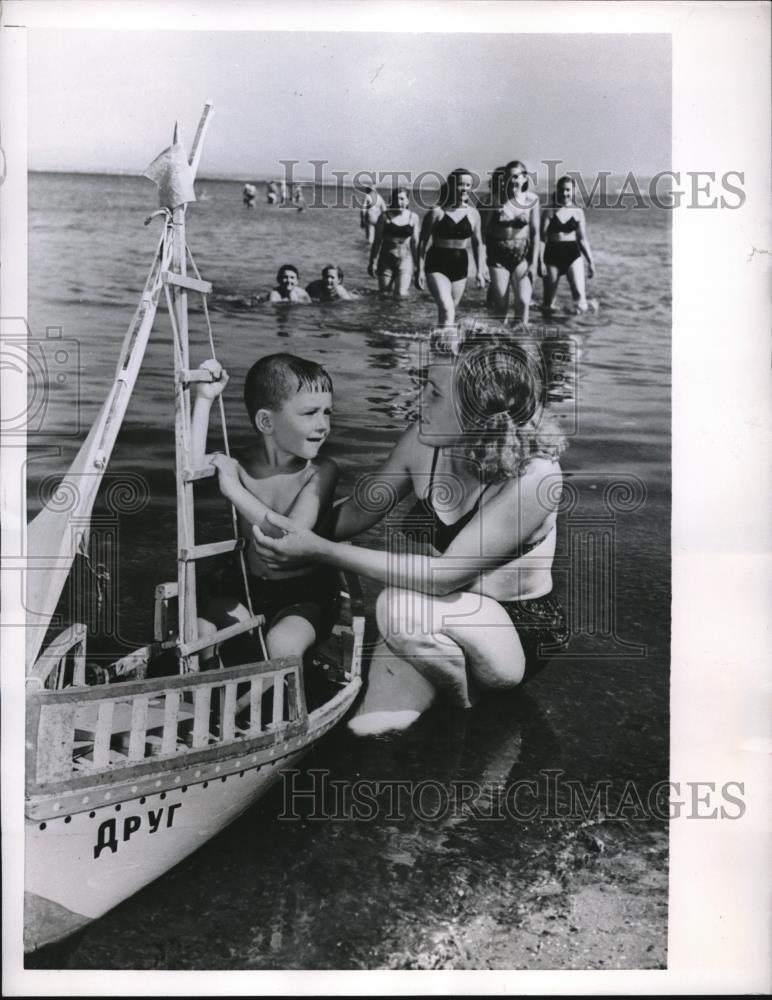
x=186, y=567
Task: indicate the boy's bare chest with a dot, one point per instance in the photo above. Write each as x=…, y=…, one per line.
x=277, y=491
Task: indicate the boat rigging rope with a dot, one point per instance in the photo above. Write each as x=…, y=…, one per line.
x=226, y=446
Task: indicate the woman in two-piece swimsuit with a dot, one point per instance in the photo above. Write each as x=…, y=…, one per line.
x=564, y=233
x=450, y=227
x=512, y=244
x=395, y=247
x=474, y=611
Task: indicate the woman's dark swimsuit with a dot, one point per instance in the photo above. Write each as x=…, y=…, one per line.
x=509, y=252
x=539, y=622
x=562, y=253
x=394, y=254
x=454, y=264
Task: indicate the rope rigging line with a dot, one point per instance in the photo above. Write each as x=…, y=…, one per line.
x=226, y=447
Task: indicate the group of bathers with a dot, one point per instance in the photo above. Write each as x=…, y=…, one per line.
x=450, y=239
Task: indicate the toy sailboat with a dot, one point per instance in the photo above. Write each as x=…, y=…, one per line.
x=131, y=767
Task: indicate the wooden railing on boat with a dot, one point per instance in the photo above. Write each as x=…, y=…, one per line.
x=80, y=731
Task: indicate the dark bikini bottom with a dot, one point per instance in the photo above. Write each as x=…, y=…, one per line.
x=454, y=264
x=507, y=253
x=562, y=254
x=541, y=627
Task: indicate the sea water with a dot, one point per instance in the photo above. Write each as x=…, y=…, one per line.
x=421, y=888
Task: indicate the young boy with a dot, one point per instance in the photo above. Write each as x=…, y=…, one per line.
x=287, y=286
x=289, y=402
x=330, y=286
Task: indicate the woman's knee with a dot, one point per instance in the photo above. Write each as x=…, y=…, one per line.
x=404, y=620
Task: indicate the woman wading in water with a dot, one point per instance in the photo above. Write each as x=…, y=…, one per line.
x=447, y=232
x=512, y=244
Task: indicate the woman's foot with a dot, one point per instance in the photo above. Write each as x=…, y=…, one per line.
x=376, y=723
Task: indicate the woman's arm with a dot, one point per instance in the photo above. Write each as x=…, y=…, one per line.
x=535, y=228
x=376, y=247
x=488, y=541
x=478, y=248
x=379, y=492
x=584, y=244
x=414, y=238
x=424, y=240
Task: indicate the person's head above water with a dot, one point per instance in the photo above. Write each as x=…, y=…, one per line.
x=489, y=400
x=332, y=275
x=287, y=271
x=291, y=399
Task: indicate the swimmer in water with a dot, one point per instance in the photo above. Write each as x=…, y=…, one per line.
x=330, y=287
x=566, y=247
x=451, y=227
x=395, y=247
x=512, y=243
x=249, y=195
x=287, y=286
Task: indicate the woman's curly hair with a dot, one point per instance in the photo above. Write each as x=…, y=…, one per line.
x=500, y=387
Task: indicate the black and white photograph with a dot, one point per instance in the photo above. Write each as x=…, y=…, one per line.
x=385, y=451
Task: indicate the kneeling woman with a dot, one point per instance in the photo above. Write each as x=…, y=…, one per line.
x=470, y=615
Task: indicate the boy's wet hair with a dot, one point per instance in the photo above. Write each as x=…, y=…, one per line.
x=274, y=379
x=286, y=267
x=333, y=267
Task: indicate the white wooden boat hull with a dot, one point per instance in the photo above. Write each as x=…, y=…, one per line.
x=136, y=846
x=95, y=839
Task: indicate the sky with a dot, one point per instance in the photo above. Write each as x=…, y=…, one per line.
x=105, y=100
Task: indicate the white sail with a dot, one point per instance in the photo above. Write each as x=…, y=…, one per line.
x=61, y=530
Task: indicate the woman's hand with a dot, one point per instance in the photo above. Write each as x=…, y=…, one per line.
x=590, y=270
x=294, y=544
x=371, y=269
x=483, y=277
x=211, y=390
x=420, y=279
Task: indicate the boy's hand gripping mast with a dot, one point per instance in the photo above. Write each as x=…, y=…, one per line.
x=177, y=284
